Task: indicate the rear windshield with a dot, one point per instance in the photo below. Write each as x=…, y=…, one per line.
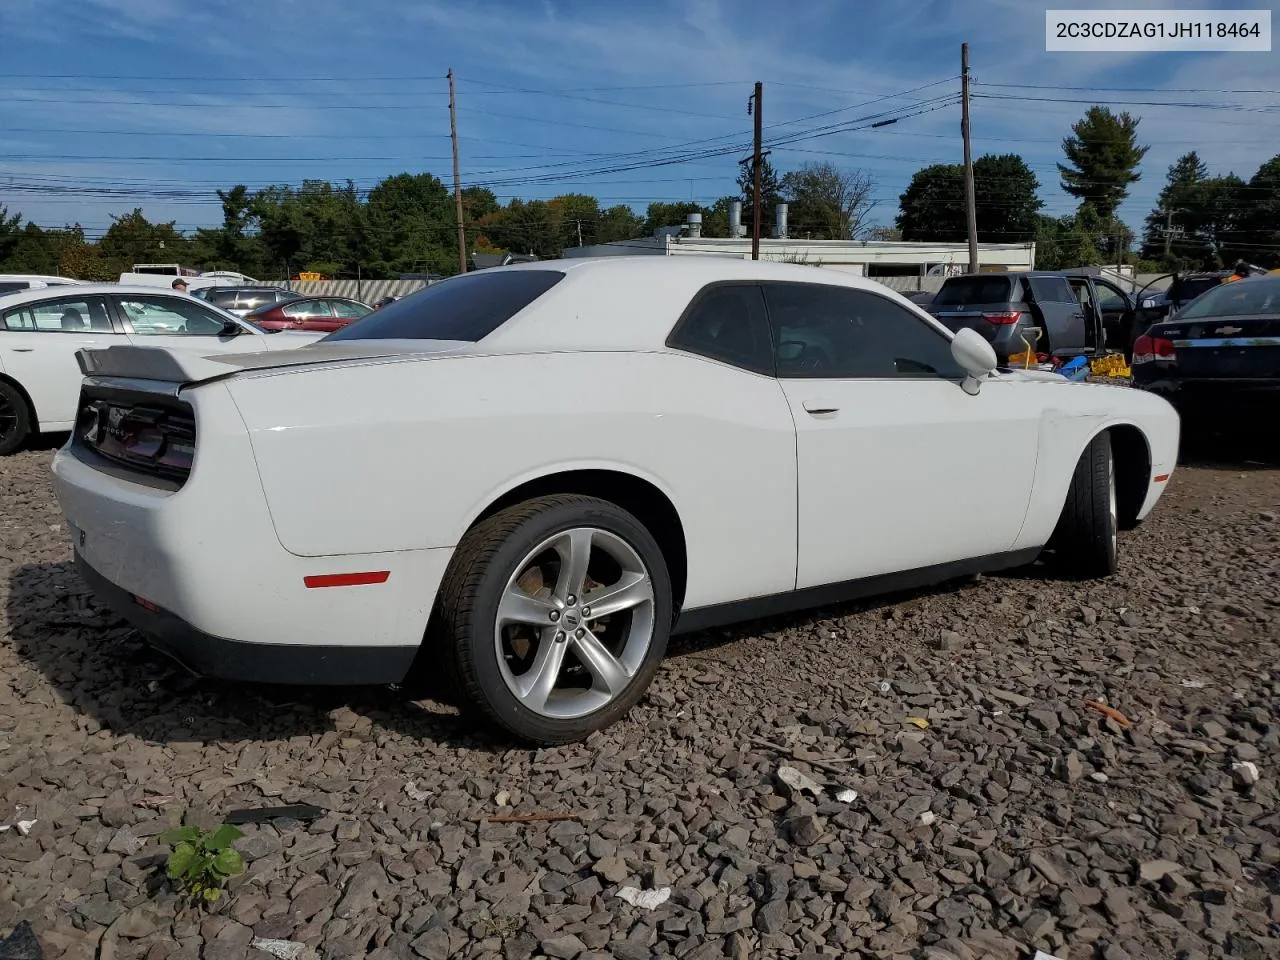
x=467, y=307
x=961, y=290
x=1239, y=299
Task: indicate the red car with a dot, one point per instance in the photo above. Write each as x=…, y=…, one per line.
x=321, y=314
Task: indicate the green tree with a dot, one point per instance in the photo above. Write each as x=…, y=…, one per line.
x=1005, y=198
x=411, y=225
x=933, y=206
x=770, y=195
x=826, y=203
x=132, y=238
x=1103, y=157
x=620, y=222
x=1184, y=182
x=1259, y=228
x=664, y=214
x=1006, y=203
x=579, y=217
x=10, y=235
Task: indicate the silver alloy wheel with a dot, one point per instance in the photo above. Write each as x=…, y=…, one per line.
x=568, y=644
x=1111, y=504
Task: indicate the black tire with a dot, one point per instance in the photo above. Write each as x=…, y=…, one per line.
x=15, y=419
x=1085, y=539
x=462, y=633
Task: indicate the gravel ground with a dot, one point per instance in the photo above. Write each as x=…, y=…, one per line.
x=1019, y=819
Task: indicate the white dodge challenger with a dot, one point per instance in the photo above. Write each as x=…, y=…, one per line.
x=522, y=480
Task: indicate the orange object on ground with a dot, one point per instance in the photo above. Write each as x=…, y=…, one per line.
x=1111, y=712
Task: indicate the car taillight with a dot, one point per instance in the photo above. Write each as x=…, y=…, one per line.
x=1003, y=319
x=1150, y=349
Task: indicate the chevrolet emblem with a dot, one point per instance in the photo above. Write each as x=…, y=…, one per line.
x=1228, y=331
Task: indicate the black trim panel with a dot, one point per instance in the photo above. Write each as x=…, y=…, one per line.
x=210, y=656
x=829, y=593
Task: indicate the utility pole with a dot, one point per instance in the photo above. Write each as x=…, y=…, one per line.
x=970, y=202
x=457, y=179
x=1168, y=232
x=579, y=223
x=756, y=161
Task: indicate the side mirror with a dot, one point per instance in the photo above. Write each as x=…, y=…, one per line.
x=975, y=355
x=231, y=329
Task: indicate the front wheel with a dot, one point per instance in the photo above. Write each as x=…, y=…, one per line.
x=553, y=617
x=1086, y=538
x=15, y=419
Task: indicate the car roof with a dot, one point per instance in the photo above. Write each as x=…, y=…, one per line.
x=632, y=302
x=83, y=290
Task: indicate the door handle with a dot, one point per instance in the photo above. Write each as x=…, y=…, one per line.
x=819, y=407
x=23, y=349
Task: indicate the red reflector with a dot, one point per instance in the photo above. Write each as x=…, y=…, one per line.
x=1162, y=478
x=347, y=579
x=1002, y=319
x=145, y=604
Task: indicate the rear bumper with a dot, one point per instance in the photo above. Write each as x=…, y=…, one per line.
x=286, y=663
x=1202, y=394
x=232, y=601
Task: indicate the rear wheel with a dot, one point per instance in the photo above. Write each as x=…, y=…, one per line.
x=15, y=419
x=554, y=617
x=1086, y=538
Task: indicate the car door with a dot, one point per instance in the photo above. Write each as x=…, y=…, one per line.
x=898, y=468
x=312, y=314
x=180, y=322
x=1090, y=313
x=1062, y=316
x=38, y=344
x=348, y=311
x=1118, y=313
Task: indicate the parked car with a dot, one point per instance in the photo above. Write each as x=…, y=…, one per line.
x=1219, y=354
x=244, y=300
x=41, y=330
x=1157, y=305
x=533, y=474
x=323, y=314
x=1005, y=307
x=14, y=282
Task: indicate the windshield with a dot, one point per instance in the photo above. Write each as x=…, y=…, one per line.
x=468, y=307
x=1239, y=299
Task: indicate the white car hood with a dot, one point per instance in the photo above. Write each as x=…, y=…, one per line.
x=181, y=366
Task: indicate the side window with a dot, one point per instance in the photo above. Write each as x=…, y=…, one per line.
x=1052, y=290
x=171, y=317
x=839, y=332
x=71, y=315
x=727, y=322
x=1109, y=298
x=307, y=308
x=1081, y=290
x=349, y=311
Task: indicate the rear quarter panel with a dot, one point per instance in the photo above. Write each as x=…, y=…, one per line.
x=406, y=454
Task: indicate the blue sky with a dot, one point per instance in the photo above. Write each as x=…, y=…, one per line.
x=163, y=101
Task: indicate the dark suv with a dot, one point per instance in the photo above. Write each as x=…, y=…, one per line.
x=244, y=300
x=1068, y=309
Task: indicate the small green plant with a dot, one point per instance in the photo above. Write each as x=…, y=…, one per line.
x=202, y=862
